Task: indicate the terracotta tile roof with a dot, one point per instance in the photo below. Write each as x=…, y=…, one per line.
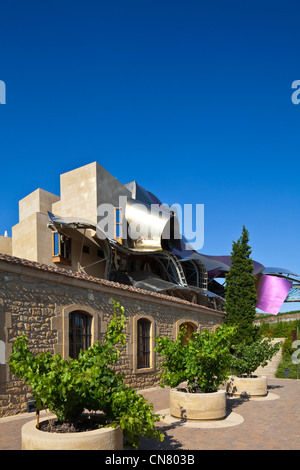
x=75, y=274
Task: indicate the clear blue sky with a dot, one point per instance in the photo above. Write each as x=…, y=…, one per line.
x=192, y=99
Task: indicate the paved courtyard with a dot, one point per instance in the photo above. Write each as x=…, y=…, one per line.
x=272, y=423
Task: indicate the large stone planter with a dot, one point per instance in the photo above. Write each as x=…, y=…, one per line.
x=99, y=439
x=243, y=386
x=197, y=406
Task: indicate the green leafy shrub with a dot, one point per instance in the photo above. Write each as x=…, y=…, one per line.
x=287, y=349
x=265, y=330
x=280, y=329
x=203, y=362
x=246, y=358
x=287, y=363
x=67, y=388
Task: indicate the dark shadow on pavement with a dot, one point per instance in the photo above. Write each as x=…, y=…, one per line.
x=235, y=402
x=169, y=443
x=272, y=387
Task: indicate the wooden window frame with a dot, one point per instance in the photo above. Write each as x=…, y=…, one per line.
x=60, y=324
x=118, y=216
x=143, y=343
x=58, y=257
x=132, y=345
x=84, y=331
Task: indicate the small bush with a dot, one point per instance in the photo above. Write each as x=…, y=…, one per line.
x=203, y=362
x=286, y=363
x=280, y=329
x=287, y=349
x=246, y=358
x=66, y=388
x=265, y=330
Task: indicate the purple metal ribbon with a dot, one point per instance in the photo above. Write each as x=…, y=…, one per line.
x=272, y=292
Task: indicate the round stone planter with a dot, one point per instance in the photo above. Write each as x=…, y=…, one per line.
x=197, y=406
x=99, y=439
x=243, y=386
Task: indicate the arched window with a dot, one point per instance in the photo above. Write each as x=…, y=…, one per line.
x=79, y=333
x=143, y=343
x=190, y=329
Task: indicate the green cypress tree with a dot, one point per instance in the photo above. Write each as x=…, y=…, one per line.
x=240, y=292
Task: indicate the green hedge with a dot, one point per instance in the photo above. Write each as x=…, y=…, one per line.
x=281, y=329
x=286, y=363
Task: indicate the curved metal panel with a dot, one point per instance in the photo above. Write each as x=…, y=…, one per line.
x=279, y=271
x=271, y=293
x=141, y=194
x=149, y=226
x=77, y=224
x=185, y=252
x=71, y=222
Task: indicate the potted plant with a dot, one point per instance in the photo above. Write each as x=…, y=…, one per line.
x=246, y=358
x=203, y=363
x=69, y=389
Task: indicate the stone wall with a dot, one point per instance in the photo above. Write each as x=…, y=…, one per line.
x=36, y=300
x=278, y=318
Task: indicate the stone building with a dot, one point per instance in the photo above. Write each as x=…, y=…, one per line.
x=42, y=301
x=73, y=231
x=60, y=271
x=100, y=240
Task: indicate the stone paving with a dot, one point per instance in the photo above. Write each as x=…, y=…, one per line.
x=272, y=423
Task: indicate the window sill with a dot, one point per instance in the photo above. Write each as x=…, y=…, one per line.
x=145, y=370
x=61, y=260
